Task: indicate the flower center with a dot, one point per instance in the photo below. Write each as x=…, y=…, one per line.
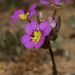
x=23, y=16
x=57, y=7
x=36, y=36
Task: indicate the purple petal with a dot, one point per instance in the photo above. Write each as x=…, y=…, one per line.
x=67, y=1
x=13, y=22
x=30, y=44
x=53, y=24
x=39, y=44
x=47, y=30
x=32, y=13
x=26, y=40
x=18, y=12
x=32, y=7
x=56, y=1
x=44, y=2
x=43, y=25
x=14, y=16
x=28, y=29
x=34, y=25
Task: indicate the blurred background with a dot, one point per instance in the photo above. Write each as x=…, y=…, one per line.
x=15, y=59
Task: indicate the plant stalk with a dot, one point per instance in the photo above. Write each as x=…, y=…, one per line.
x=54, y=70
x=55, y=11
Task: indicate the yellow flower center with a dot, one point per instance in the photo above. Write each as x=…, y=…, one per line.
x=23, y=16
x=56, y=6
x=41, y=20
x=37, y=36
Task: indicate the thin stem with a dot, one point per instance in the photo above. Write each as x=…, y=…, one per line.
x=53, y=62
x=55, y=11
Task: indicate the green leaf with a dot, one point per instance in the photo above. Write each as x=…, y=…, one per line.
x=58, y=23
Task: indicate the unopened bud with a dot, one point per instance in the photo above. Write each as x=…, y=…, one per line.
x=41, y=17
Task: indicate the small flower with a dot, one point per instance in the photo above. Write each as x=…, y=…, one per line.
x=19, y=14
x=35, y=34
x=57, y=4
x=61, y=1
x=51, y=21
x=41, y=17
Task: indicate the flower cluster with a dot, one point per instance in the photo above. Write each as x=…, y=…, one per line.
x=35, y=36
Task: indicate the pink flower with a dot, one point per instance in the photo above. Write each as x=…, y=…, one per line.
x=35, y=34
x=19, y=14
x=61, y=1
x=58, y=3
